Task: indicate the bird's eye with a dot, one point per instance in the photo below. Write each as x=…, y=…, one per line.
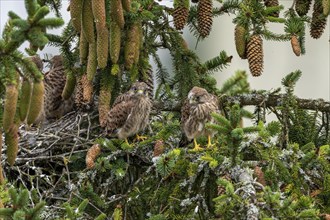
x=134, y=88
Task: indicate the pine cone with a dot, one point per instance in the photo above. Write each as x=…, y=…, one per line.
x=87, y=24
x=83, y=49
x=326, y=7
x=36, y=103
x=9, y=107
x=104, y=105
x=295, y=45
x=91, y=62
x=260, y=175
x=91, y=155
x=98, y=8
x=102, y=47
x=319, y=21
x=302, y=6
x=11, y=141
x=255, y=55
x=240, y=41
x=87, y=88
x=79, y=97
x=159, y=148
x=272, y=3
x=180, y=17
x=70, y=84
x=75, y=12
x=204, y=17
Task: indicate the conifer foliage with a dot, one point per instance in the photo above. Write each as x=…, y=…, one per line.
x=278, y=169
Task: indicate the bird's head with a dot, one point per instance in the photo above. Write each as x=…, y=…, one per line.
x=197, y=96
x=56, y=61
x=139, y=89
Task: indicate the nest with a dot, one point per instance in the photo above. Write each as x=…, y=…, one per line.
x=45, y=151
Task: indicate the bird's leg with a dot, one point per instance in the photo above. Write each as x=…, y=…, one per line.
x=209, y=142
x=196, y=146
x=140, y=138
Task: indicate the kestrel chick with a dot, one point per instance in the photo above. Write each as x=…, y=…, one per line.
x=196, y=112
x=55, y=79
x=130, y=112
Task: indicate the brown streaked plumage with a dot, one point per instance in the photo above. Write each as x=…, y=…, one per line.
x=38, y=62
x=54, y=80
x=130, y=112
x=196, y=112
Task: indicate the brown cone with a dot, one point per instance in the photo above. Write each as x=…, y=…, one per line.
x=159, y=148
x=319, y=21
x=87, y=87
x=255, y=55
x=302, y=7
x=295, y=45
x=91, y=155
x=204, y=17
x=180, y=17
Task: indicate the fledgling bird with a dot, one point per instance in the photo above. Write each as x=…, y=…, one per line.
x=130, y=112
x=54, y=79
x=196, y=112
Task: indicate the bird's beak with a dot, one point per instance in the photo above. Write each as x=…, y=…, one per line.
x=192, y=100
x=140, y=91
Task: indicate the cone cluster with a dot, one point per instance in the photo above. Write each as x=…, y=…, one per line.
x=255, y=55
x=319, y=21
x=204, y=17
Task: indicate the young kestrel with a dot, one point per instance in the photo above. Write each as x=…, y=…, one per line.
x=130, y=112
x=196, y=112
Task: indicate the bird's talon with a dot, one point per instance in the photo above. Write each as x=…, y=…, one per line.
x=197, y=148
x=140, y=138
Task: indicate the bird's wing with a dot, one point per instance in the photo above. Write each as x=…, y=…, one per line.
x=122, y=98
x=185, y=111
x=118, y=115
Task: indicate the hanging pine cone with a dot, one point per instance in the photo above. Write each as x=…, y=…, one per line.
x=326, y=7
x=255, y=55
x=240, y=41
x=204, y=17
x=295, y=45
x=180, y=14
x=318, y=20
x=79, y=97
x=302, y=6
x=180, y=17
x=272, y=3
